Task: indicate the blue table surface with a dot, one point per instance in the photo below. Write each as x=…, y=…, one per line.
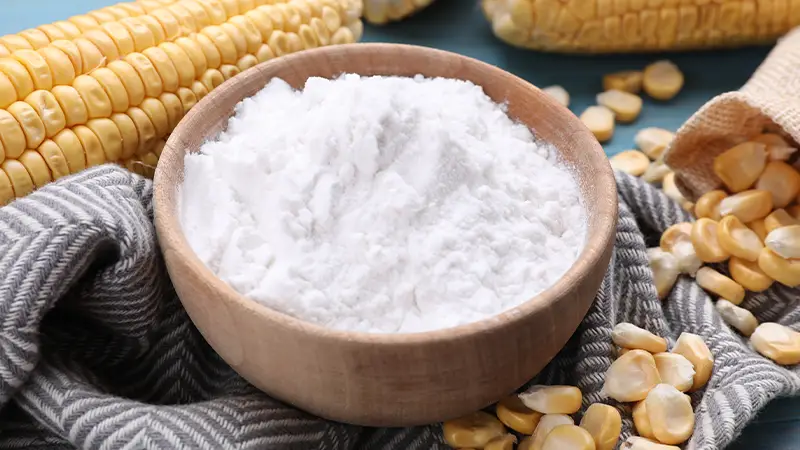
x=458, y=26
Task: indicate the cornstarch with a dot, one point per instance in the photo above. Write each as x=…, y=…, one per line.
x=381, y=204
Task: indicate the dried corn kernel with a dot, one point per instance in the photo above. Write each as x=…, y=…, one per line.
x=671, y=189
x=632, y=162
x=662, y=80
x=552, y=399
x=600, y=121
x=738, y=240
x=781, y=180
x=692, y=347
x=505, y=442
x=558, y=93
x=717, y=283
x=515, y=415
x=473, y=430
x=625, y=106
x=627, y=80
x=705, y=240
x=604, y=424
x=631, y=376
x=782, y=270
x=670, y=413
x=640, y=443
x=739, y=167
x=665, y=269
x=739, y=318
x=747, y=205
x=777, y=219
x=628, y=335
x=568, y=437
x=748, y=274
x=547, y=423
x=675, y=370
x=641, y=420
x=677, y=241
x=785, y=241
x=777, y=342
x=708, y=205
x=656, y=171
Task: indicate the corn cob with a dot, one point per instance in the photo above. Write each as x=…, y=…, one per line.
x=604, y=26
x=379, y=12
x=125, y=105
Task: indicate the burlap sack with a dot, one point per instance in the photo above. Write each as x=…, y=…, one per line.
x=771, y=99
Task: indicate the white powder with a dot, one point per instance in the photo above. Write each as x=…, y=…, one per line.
x=381, y=204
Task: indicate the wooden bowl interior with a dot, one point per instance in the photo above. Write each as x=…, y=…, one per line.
x=570, y=296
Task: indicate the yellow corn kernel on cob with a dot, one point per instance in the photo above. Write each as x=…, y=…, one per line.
x=605, y=26
x=123, y=110
x=379, y=12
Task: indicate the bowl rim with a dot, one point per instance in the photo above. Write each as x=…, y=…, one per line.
x=604, y=218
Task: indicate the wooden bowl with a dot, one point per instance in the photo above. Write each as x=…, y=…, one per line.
x=388, y=379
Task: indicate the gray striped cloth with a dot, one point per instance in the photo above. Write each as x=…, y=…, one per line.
x=97, y=353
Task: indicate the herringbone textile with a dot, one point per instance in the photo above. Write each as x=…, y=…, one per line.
x=97, y=353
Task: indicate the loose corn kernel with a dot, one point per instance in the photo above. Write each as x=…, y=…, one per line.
x=759, y=227
x=670, y=413
x=505, y=442
x=640, y=443
x=708, y=205
x=631, y=376
x=552, y=399
x=717, y=283
x=627, y=80
x=665, y=269
x=747, y=205
x=785, y=241
x=677, y=241
x=777, y=342
x=675, y=370
x=546, y=425
x=625, y=106
x=558, y=93
x=775, y=153
x=749, y=274
x=692, y=347
x=777, y=219
x=632, y=162
x=641, y=420
x=738, y=240
x=705, y=240
x=740, y=167
x=662, y=80
x=778, y=149
x=600, y=121
x=515, y=415
x=782, y=270
x=473, y=430
x=739, y=318
x=568, y=437
x=604, y=424
x=671, y=189
x=781, y=180
x=656, y=171
x=628, y=335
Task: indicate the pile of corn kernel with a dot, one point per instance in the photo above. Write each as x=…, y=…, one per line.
x=620, y=102
x=644, y=374
x=746, y=235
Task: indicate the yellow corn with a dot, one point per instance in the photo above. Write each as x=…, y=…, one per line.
x=738, y=240
x=784, y=271
x=785, y=241
x=473, y=430
x=558, y=93
x=626, y=106
x=113, y=90
x=568, y=437
x=604, y=424
x=675, y=370
x=628, y=335
x=641, y=420
x=631, y=376
x=552, y=399
x=708, y=205
x=670, y=414
x=717, y=283
x=505, y=442
x=747, y=205
x=662, y=80
x=640, y=443
x=632, y=162
x=546, y=425
x=379, y=12
x=748, y=274
x=515, y=415
x=777, y=342
x=627, y=80
x=739, y=318
x=777, y=219
x=740, y=167
x=692, y=347
x=705, y=239
x=599, y=27
x=781, y=180
x=600, y=121
x=677, y=241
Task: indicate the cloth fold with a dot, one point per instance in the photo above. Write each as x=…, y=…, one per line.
x=96, y=351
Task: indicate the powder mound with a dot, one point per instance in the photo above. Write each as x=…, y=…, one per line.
x=381, y=204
